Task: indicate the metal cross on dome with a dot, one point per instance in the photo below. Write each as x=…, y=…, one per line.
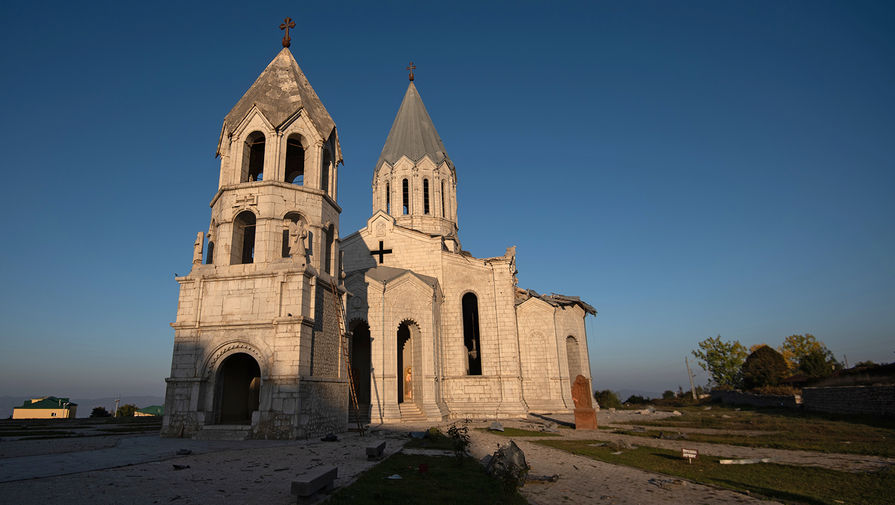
x=381, y=252
x=286, y=25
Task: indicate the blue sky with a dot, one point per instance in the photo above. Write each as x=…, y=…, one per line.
x=689, y=168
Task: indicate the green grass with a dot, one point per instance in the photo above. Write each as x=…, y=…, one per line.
x=445, y=482
x=442, y=442
x=787, y=429
x=516, y=432
x=792, y=484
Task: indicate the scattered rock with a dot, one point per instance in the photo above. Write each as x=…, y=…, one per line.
x=541, y=479
x=638, y=429
x=707, y=408
x=550, y=427
x=394, y=476
x=667, y=483
x=672, y=436
x=417, y=434
x=184, y=452
x=675, y=413
x=508, y=463
x=330, y=437
x=495, y=426
x=181, y=467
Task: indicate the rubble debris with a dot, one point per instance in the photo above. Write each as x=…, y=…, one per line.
x=508, y=464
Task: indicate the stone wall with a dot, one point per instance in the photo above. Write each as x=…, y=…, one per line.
x=878, y=400
x=754, y=400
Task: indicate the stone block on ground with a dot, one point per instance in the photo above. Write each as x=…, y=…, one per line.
x=314, y=481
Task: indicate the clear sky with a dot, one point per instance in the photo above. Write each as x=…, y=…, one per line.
x=689, y=168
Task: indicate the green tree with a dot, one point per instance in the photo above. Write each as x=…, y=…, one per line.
x=722, y=360
x=818, y=364
x=126, y=410
x=796, y=347
x=100, y=412
x=668, y=394
x=764, y=367
x=607, y=399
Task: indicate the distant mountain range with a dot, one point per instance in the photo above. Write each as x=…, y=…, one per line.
x=85, y=405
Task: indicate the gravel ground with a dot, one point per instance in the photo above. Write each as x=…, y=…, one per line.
x=139, y=469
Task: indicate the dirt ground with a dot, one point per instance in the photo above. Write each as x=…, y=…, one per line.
x=140, y=469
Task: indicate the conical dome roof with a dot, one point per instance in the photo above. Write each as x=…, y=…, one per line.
x=280, y=91
x=413, y=134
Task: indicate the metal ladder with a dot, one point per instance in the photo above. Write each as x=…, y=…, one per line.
x=346, y=352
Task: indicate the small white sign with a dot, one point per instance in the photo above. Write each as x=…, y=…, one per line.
x=689, y=454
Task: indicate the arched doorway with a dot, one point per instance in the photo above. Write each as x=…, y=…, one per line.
x=405, y=369
x=239, y=378
x=360, y=365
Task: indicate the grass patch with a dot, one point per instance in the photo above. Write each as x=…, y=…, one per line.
x=445, y=482
x=794, y=484
x=431, y=443
x=517, y=432
x=787, y=430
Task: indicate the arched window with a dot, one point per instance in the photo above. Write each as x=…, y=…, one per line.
x=253, y=158
x=242, y=249
x=292, y=218
x=388, y=199
x=328, y=253
x=425, y=196
x=442, y=200
x=406, y=193
x=471, y=341
x=324, y=172
x=295, y=160
x=209, y=254
x=573, y=354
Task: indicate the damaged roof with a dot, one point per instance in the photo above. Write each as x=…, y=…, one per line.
x=279, y=92
x=554, y=299
x=413, y=134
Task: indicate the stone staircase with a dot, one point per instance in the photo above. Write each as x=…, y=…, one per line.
x=410, y=413
x=224, y=432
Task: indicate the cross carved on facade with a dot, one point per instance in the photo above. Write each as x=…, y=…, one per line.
x=411, y=67
x=286, y=25
x=382, y=251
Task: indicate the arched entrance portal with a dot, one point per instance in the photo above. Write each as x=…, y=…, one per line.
x=240, y=382
x=360, y=365
x=405, y=362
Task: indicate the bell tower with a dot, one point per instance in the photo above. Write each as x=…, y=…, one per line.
x=257, y=345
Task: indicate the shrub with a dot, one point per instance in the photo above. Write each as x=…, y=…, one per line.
x=637, y=400
x=607, y=399
x=100, y=412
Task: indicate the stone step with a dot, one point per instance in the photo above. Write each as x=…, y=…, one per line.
x=410, y=412
x=224, y=432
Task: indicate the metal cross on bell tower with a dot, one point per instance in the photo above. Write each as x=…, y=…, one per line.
x=411, y=67
x=286, y=25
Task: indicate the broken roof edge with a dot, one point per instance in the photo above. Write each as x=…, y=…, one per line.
x=555, y=300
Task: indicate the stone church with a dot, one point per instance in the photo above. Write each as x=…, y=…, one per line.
x=433, y=333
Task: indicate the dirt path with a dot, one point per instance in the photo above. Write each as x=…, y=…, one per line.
x=583, y=480
x=833, y=461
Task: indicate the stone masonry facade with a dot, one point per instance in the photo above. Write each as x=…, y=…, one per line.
x=432, y=332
